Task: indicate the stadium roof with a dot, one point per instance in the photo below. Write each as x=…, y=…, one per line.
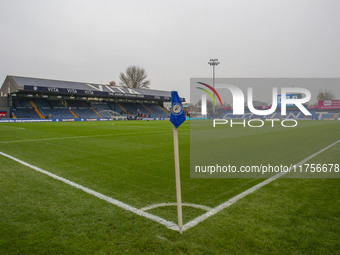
x=16, y=84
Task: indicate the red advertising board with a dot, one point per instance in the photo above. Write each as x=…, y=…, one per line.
x=2, y=114
x=265, y=107
x=329, y=104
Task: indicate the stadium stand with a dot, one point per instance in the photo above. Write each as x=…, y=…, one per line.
x=35, y=98
x=86, y=113
x=56, y=103
x=57, y=113
x=80, y=104
x=51, y=99
x=116, y=107
x=41, y=103
x=130, y=108
x=23, y=103
x=99, y=106
x=25, y=113
x=126, y=109
x=157, y=110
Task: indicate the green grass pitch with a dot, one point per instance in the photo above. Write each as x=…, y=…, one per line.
x=132, y=161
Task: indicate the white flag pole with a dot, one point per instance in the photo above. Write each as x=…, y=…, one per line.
x=178, y=181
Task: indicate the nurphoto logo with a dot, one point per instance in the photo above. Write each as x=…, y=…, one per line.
x=290, y=96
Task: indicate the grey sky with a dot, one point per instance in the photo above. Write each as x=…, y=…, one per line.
x=92, y=41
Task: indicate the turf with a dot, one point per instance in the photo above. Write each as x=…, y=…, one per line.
x=133, y=162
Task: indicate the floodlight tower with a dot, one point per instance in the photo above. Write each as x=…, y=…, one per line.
x=213, y=62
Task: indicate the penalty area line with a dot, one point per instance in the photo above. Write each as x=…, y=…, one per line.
x=233, y=200
x=169, y=224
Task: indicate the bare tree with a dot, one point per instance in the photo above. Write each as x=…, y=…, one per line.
x=134, y=77
x=326, y=95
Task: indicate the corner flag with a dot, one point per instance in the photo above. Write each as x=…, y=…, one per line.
x=177, y=117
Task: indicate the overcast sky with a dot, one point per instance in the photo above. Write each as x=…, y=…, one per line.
x=93, y=41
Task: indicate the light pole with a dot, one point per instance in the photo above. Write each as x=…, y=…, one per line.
x=213, y=62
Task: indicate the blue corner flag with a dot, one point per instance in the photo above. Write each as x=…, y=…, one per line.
x=177, y=116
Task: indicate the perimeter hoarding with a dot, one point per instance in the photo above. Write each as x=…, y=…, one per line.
x=329, y=104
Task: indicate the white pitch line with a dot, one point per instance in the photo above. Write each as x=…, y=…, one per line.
x=153, y=206
x=76, y=137
x=169, y=224
x=233, y=200
x=9, y=128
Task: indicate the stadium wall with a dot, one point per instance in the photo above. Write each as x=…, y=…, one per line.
x=4, y=107
x=9, y=86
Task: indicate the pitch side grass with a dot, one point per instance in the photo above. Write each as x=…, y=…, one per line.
x=132, y=161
